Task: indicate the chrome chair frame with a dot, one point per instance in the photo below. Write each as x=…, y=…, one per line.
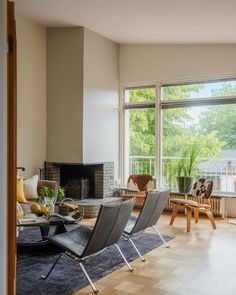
x=150, y=213
x=107, y=231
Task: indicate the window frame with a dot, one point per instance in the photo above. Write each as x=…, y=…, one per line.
x=161, y=105
x=124, y=135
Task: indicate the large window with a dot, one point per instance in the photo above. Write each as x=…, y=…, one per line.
x=199, y=114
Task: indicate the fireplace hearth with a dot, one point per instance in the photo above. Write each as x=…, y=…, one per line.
x=82, y=180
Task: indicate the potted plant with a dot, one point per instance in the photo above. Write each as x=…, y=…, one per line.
x=186, y=166
x=47, y=198
x=61, y=194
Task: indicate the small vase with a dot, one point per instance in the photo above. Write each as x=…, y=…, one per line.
x=50, y=203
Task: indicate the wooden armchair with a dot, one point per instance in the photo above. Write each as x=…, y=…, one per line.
x=137, y=186
x=201, y=189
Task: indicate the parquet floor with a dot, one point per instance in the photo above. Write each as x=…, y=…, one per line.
x=202, y=262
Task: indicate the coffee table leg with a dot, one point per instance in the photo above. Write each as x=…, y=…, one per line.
x=44, y=231
x=60, y=228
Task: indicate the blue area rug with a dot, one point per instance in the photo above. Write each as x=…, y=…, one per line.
x=67, y=277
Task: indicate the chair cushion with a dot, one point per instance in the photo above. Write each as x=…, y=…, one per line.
x=73, y=241
x=130, y=224
x=184, y=202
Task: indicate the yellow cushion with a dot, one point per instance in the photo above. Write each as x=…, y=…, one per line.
x=20, y=195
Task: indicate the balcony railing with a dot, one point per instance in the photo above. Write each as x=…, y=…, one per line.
x=142, y=165
x=221, y=170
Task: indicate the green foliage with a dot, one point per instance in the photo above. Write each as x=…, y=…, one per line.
x=185, y=165
x=221, y=119
x=182, y=136
x=44, y=193
x=47, y=192
x=180, y=92
x=225, y=90
x=61, y=194
x=142, y=94
x=188, y=162
x=142, y=123
x=40, y=200
x=142, y=132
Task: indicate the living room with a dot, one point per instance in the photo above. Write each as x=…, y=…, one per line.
x=75, y=65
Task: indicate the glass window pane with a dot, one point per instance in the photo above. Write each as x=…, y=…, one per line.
x=140, y=138
x=140, y=94
x=211, y=130
x=203, y=90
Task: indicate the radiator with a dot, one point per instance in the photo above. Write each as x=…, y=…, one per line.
x=215, y=203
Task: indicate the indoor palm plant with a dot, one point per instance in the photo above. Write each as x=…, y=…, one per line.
x=187, y=168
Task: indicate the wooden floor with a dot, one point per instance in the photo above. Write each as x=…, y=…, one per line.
x=202, y=262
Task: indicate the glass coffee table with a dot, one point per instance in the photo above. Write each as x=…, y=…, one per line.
x=44, y=223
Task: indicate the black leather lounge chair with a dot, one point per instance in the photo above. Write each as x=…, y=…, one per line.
x=82, y=242
x=150, y=213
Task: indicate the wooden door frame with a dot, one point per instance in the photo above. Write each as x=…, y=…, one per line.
x=3, y=146
x=11, y=150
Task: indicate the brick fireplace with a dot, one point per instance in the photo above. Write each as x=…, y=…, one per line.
x=83, y=180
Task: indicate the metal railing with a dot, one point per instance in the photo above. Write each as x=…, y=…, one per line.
x=221, y=170
x=142, y=165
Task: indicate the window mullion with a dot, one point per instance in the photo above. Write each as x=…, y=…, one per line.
x=198, y=102
x=158, y=141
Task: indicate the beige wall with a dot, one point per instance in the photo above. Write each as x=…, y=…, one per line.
x=101, y=100
x=82, y=97
x=64, y=94
x=31, y=95
x=145, y=63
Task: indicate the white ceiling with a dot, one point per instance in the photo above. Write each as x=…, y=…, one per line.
x=141, y=21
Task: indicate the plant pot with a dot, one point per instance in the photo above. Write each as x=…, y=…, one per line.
x=185, y=184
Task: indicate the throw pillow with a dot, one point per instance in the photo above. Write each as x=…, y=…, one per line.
x=20, y=191
x=30, y=187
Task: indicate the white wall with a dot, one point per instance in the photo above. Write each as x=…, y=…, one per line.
x=3, y=147
x=65, y=94
x=31, y=95
x=101, y=100
x=145, y=63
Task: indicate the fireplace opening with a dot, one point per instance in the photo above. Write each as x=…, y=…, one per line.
x=82, y=180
